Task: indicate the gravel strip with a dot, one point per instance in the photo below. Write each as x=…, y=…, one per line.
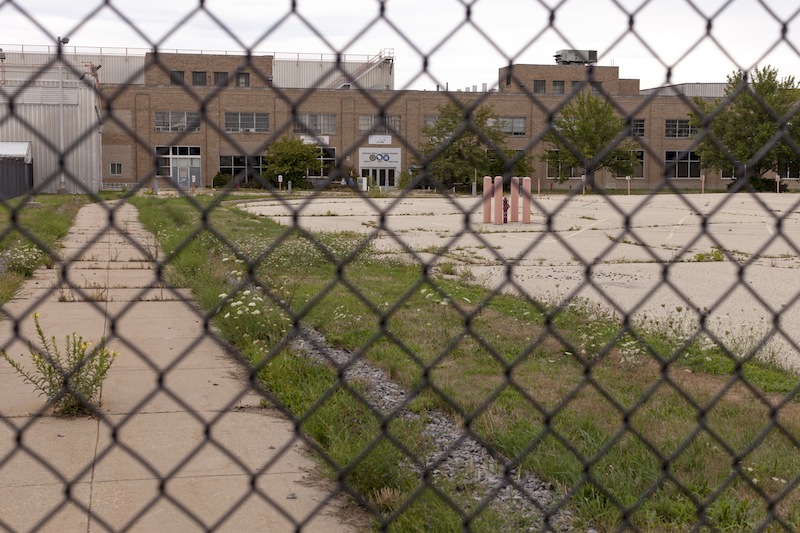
x=454, y=456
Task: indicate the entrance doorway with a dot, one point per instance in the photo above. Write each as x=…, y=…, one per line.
x=382, y=177
x=183, y=178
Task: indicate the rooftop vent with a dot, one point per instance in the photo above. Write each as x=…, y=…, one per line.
x=576, y=57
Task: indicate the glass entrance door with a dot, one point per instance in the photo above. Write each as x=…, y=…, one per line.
x=382, y=177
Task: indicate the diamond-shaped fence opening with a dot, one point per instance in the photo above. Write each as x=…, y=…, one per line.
x=329, y=291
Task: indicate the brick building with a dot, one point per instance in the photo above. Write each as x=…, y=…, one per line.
x=176, y=116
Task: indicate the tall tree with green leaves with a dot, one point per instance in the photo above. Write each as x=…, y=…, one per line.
x=750, y=124
x=290, y=158
x=465, y=141
x=588, y=133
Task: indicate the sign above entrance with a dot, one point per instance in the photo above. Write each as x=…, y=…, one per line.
x=380, y=139
x=379, y=158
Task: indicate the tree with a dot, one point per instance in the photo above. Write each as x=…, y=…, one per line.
x=290, y=158
x=465, y=140
x=745, y=125
x=586, y=135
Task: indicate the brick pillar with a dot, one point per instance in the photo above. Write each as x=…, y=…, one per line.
x=498, y=199
x=514, y=200
x=526, y=200
x=487, y=199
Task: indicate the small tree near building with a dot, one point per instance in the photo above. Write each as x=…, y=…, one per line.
x=749, y=132
x=290, y=158
x=589, y=134
x=465, y=141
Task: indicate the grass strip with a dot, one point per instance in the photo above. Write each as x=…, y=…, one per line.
x=637, y=423
x=29, y=236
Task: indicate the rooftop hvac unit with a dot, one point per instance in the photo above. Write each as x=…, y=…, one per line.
x=576, y=57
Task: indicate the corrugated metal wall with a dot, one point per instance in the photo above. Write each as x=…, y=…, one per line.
x=41, y=125
x=702, y=90
x=115, y=68
x=304, y=73
x=37, y=105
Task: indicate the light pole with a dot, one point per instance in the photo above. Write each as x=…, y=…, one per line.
x=61, y=42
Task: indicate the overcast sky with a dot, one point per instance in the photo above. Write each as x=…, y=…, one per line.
x=460, y=52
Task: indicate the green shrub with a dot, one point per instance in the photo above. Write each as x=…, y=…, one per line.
x=71, y=380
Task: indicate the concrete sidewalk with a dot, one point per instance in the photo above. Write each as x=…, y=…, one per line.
x=181, y=445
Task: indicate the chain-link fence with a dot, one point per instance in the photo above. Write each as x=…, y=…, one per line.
x=331, y=316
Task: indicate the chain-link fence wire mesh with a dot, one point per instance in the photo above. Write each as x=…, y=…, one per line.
x=433, y=401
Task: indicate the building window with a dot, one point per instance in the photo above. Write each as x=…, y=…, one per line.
x=556, y=169
x=315, y=124
x=243, y=79
x=244, y=168
x=198, y=78
x=177, y=121
x=221, y=79
x=116, y=169
x=732, y=172
x=597, y=87
x=176, y=77
x=513, y=126
x=539, y=86
x=679, y=129
x=178, y=162
x=637, y=127
x=508, y=77
x=378, y=124
x=558, y=86
x=638, y=165
x=327, y=161
x=247, y=122
x=577, y=86
x=429, y=121
x=681, y=164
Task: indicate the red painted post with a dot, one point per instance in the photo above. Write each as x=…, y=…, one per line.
x=515, y=199
x=487, y=199
x=498, y=199
x=526, y=200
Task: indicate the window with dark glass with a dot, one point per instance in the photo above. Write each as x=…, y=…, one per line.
x=245, y=168
x=198, y=78
x=681, y=164
x=558, y=86
x=539, y=86
x=176, y=77
x=637, y=127
x=221, y=79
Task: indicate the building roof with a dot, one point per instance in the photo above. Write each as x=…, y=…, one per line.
x=16, y=150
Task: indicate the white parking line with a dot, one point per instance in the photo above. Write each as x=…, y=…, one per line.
x=590, y=226
x=680, y=223
x=769, y=229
